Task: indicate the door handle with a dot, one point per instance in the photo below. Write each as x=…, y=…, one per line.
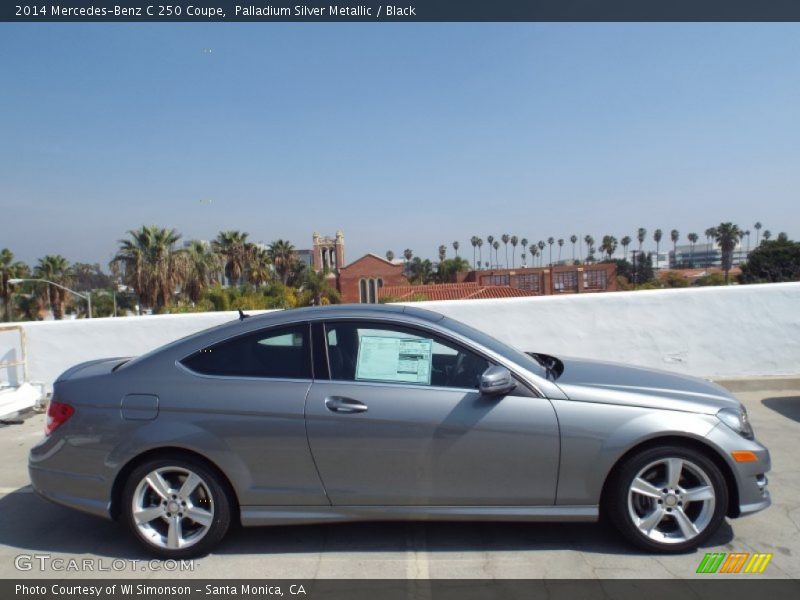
x=344, y=405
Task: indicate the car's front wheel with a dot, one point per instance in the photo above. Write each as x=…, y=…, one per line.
x=668, y=499
x=176, y=506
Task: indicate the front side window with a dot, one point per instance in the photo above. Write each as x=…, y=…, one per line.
x=281, y=353
x=394, y=354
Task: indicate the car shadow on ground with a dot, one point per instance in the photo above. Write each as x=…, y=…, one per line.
x=31, y=524
x=788, y=406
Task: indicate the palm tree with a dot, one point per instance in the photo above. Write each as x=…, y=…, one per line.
x=282, y=254
x=54, y=268
x=551, y=240
x=641, y=234
x=711, y=233
x=757, y=227
x=767, y=235
x=490, y=239
x=9, y=269
x=589, y=240
x=573, y=238
x=389, y=255
x=234, y=251
x=202, y=266
x=442, y=252
x=474, y=241
x=480, y=251
x=625, y=242
x=151, y=264
x=534, y=249
x=609, y=245
x=317, y=289
x=514, y=242
x=674, y=235
x=541, y=246
x=692, y=237
x=259, y=271
x=560, y=245
x=505, y=237
x=408, y=254
x=524, y=243
x=657, y=235
x=456, y=246
x=727, y=236
x=496, y=246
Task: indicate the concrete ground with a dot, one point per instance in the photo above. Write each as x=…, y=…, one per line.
x=31, y=528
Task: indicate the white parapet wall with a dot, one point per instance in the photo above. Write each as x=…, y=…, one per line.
x=715, y=332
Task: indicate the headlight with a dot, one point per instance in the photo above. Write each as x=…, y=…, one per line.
x=737, y=420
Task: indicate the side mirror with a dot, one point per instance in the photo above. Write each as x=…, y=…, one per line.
x=496, y=381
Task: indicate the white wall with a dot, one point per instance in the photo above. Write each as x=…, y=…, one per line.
x=738, y=331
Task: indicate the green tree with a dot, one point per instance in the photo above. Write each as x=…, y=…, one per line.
x=727, y=236
x=490, y=241
x=589, y=241
x=692, y=237
x=675, y=235
x=259, y=271
x=9, y=269
x=505, y=237
x=772, y=261
x=317, y=289
x=711, y=233
x=283, y=257
x=573, y=238
x=151, y=264
x=480, y=251
x=389, y=255
x=767, y=235
x=560, y=246
x=421, y=271
x=625, y=242
x=474, y=241
x=201, y=267
x=757, y=227
x=235, y=252
x=448, y=268
x=641, y=234
x=456, y=246
x=657, y=234
x=514, y=241
x=609, y=245
x=54, y=268
x=442, y=252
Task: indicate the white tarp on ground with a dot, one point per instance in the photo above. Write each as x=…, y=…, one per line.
x=15, y=399
x=736, y=331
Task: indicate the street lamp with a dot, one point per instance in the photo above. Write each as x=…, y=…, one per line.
x=87, y=297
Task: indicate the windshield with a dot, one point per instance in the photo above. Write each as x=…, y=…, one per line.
x=495, y=345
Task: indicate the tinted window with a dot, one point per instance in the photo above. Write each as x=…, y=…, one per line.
x=279, y=353
x=360, y=351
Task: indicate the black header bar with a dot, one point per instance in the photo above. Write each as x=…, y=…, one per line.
x=407, y=11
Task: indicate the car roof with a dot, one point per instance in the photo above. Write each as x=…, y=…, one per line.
x=348, y=310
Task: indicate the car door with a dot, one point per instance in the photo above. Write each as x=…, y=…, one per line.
x=400, y=421
x=249, y=394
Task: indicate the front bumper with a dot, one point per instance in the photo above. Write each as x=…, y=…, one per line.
x=750, y=477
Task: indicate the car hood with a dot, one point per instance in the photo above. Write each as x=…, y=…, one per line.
x=611, y=383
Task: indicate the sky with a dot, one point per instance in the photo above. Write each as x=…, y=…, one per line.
x=400, y=135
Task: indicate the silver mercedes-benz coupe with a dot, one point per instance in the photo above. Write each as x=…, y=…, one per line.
x=345, y=413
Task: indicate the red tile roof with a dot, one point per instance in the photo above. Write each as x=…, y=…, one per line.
x=450, y=291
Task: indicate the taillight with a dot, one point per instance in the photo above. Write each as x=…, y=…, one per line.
x=57, y=415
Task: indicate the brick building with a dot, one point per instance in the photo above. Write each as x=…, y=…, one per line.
x=362, y=280
x=546, y=281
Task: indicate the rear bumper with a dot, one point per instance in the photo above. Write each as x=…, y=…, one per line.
x=70, y=489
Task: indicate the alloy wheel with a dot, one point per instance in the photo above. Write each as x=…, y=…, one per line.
x=172, y=508
x=671, y=500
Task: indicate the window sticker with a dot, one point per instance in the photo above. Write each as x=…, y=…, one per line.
x=402, y=360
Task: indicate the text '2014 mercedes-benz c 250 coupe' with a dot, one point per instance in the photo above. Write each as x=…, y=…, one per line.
x=346, y=413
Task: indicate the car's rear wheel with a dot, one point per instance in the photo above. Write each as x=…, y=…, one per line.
x=177, y=507
x=668, y=499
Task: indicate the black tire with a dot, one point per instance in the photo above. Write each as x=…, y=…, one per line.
x=617, y=508
x=215, y=495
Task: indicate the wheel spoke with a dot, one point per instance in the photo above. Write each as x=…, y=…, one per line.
x=651, y=521
x=145, y=515
x=158, y=484
x=688, y=528
x=705, y=492
x=192, y=481
x=645, y=488
x=199, y=515
x=175, y=533
x=674, y=468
